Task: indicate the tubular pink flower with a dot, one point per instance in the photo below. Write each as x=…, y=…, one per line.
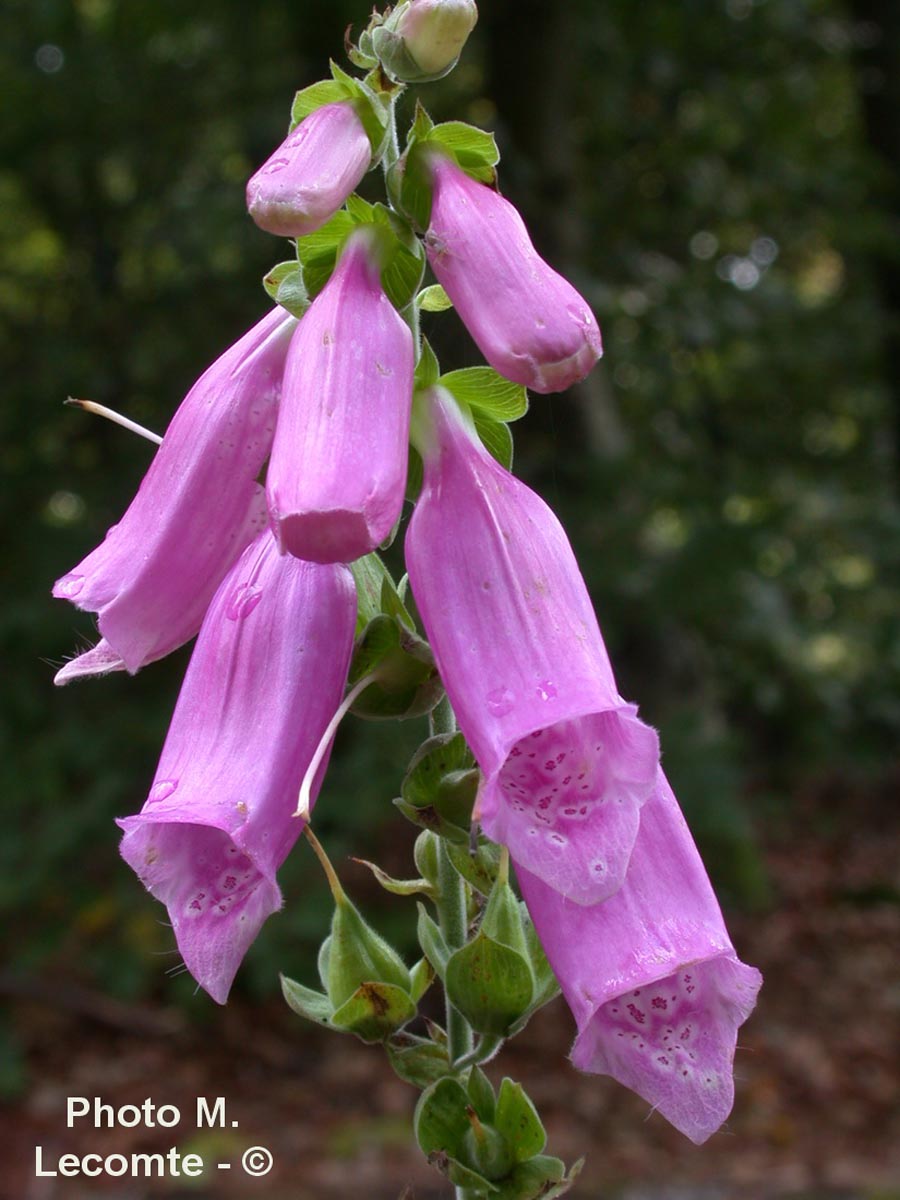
x=198, y=506
x=267, y=673
x=529, y=323
x=311, y=173
x=566, y=763
x=651, y=976
x=337, y=478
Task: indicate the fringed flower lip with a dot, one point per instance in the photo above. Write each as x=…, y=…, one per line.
x=652, y=979
x=265, y=677
x=566, y=762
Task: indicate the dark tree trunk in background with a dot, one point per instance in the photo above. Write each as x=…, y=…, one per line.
x=879, y=63
x=534, y=69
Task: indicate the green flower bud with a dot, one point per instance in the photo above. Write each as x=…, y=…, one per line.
x=486, y=1150
x=422, y=40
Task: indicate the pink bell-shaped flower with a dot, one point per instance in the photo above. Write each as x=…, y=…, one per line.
x=337, y=478
x=566, y=762
x=265, y=678
x=529, y=323
x=198, y=506
x=311, y=173
x=651, y=976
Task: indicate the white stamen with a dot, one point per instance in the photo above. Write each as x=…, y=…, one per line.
x=303, y=800
x=111, y=415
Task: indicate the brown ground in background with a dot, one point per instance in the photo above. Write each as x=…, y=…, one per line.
x=817, y=1112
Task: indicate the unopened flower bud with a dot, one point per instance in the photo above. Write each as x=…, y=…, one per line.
x=311, y=173
x=422, y=39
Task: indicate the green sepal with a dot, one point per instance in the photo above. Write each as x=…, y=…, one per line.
x=433, y=299
x=371, y=111
x=376, y=592
x=398, y=887
x=432, y=941
x=546, y=987
x=421, y=978
x=488, y=1151
x=490, y=984
x=407, y=683
x=401, y=254
x=358, y=955
x=428, y=368
x=540, y=1178
x=517, y=1119
x=306, y=1002
x=485, y=390
x=415, y=474
x=479, y=870
x=496, y=438
x=374, y=1012
x=442, y=776
x=284, y=283
x=416, y=1060
x=425, y=854
x=322, y=960
x=441, y=1121
x=472, y=149
x=409, y=180
x=481, y=1093
x=504, y=919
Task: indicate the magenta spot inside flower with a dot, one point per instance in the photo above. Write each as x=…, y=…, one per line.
x=244, y=599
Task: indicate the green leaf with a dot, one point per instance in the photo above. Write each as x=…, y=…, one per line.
x=404, y=262
x=305, y=1002
x=360, y=210
x=486, y=391
x=434, y=299
x=322, y=961
x=518, y=1121
x=490, y=984
x=496, y=437
x=374, y=1012
x=546, y=987
x=416, y=1060
x=434, y=947
x=415, y=474
x=371, y=577
x=473, y=149
x=478, y=869
x=407, y=685
x=481, y=1093
x=460, y=1176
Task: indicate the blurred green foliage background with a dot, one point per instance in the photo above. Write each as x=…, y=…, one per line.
x=720, y=178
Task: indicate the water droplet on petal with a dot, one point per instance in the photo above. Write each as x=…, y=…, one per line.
x=162, y=790
x=500, y=702
x=547, y=690
x=244, y=599
x=70, y=585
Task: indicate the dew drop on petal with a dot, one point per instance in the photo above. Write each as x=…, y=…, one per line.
x=500, y=702
x=162, y=790
x=243, y=600
x=70, y=585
